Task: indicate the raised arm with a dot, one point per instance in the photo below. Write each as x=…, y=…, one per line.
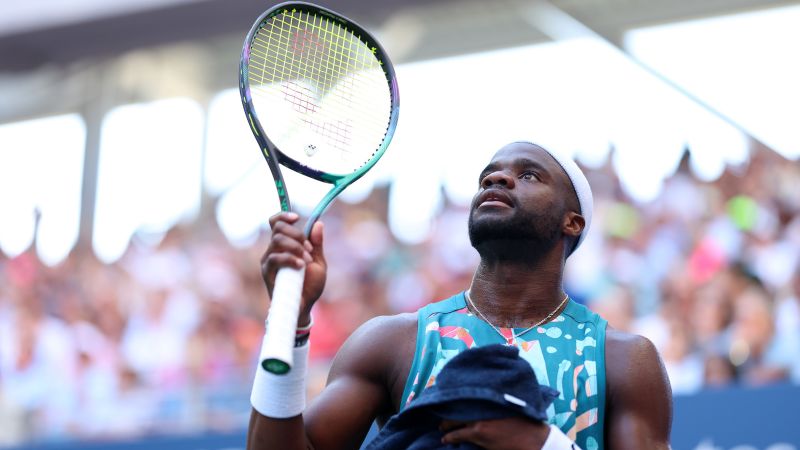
x=639, y=408
x=363, y=372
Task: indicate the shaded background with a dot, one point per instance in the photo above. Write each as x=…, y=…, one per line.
x=134, y=200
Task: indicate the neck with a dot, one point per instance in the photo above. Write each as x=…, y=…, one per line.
x=513, y=251
x=513, y=294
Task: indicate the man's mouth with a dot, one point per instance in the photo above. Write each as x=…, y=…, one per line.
x=494, y=197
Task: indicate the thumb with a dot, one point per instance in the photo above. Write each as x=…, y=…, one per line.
x=316, y=238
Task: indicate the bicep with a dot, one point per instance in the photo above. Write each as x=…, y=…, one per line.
x=357, y=390
x=640, y=398
x=342, y=414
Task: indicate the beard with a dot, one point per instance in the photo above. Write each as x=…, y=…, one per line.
x=526, y=236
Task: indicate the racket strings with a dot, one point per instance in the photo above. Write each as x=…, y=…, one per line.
x=311, y=62
x=303, y=98
x=329, y=83
x=311, y=68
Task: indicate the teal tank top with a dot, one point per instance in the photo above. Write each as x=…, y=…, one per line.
x=567, y=354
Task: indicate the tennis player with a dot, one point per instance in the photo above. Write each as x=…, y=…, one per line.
x=532, y=210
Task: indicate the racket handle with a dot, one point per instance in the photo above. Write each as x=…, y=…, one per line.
x=276, y=350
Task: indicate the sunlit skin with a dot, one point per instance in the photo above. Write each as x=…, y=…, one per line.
x=524, y=222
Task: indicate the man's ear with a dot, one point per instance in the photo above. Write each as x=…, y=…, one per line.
x=573, y=224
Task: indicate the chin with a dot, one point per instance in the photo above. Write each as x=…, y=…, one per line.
x=498, y=234
x=511, y=238
x=487, y=227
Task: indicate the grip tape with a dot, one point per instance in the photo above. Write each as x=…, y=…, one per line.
x=276, y=351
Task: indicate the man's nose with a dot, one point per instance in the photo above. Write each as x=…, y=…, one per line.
x=500, y=177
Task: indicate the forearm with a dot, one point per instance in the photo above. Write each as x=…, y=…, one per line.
x=341, y=415
x=268, y=433
x=278, y=404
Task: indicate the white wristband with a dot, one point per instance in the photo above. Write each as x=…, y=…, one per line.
x=282, y=396
x=557, y=440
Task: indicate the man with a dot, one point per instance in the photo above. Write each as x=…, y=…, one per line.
x=531, y=211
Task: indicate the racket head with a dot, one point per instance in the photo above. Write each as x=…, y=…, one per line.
x=324, y=89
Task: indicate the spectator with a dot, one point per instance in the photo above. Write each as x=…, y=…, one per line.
x=708, y=271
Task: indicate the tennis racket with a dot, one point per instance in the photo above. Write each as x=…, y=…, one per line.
x=321, y=98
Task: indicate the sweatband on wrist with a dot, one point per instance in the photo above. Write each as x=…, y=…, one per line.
x=301, y=339
x=306, y=328
x=557, y=440
x=282, y=396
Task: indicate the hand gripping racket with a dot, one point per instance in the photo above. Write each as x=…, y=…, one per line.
x=321, y=98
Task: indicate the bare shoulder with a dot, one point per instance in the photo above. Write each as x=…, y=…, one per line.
x=630, y=351
x=639, y=399
x=361, y=382
x=380, y=350
x=394, y=325
x=378, y=337
x=632, y=362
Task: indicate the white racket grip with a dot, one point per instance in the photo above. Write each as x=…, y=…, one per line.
x=282, y=318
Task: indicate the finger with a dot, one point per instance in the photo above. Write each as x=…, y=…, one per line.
x=449, y=425
x=288, y=229
x=273, y=263
x=283, y=244
x=316, y=238
x=283, y=216
x=464, y=434
x=278, y=260
x=285, y=238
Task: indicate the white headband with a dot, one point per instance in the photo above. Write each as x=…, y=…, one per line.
x=581, y=186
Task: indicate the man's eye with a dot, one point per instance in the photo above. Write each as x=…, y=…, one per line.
x=528, y=176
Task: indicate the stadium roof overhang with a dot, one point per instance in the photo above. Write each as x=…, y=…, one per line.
x=47, y=32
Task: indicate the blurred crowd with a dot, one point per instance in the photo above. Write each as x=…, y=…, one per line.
x=165, y=339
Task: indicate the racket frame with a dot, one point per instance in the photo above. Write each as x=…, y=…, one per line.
x=275, y=158
x=272, y=153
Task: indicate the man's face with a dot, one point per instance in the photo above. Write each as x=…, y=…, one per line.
x=521, y=200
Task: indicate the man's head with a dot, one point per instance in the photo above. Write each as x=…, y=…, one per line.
x=529, y=201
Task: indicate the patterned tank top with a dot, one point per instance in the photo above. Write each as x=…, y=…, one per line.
x=567, y=354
